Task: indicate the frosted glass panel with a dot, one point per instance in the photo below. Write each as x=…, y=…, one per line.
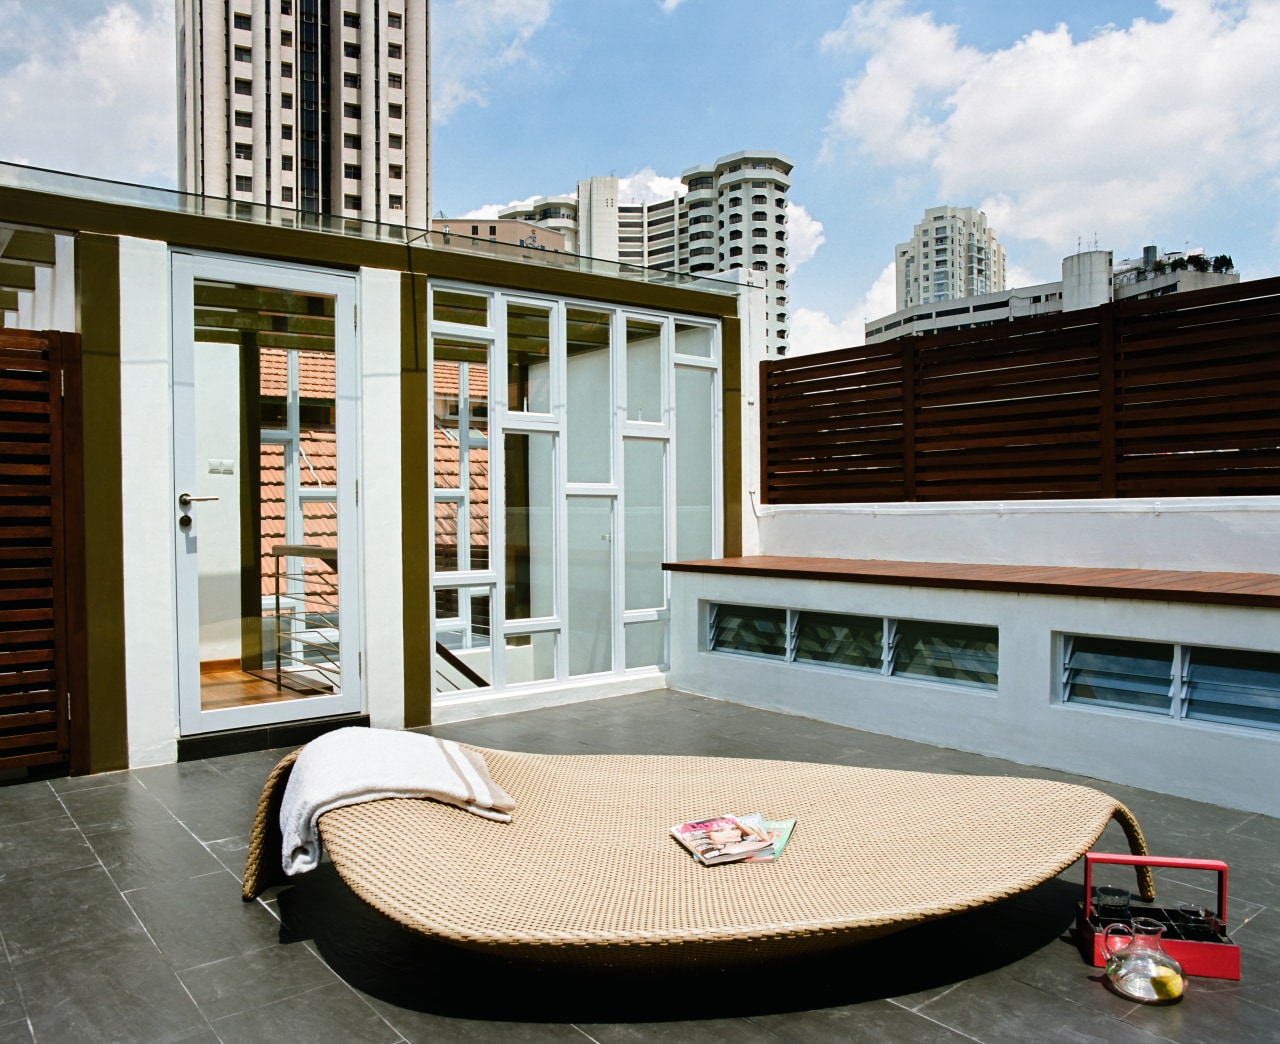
x=644, y=372
x=693, y=340
x=588, y=420
x=645, y=523
x=590, y=609
x=530, y=479
x=695, y=470
x=646, y=643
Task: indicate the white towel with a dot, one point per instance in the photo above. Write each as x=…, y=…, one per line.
x=352, y=765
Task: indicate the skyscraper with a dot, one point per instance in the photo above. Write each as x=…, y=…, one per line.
x=732, y=214
x=952, y=254
x=319, y=106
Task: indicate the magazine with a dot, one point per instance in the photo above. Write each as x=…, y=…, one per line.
x=779, y=831
x=724, y=839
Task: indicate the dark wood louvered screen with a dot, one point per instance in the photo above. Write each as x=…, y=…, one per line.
x=1165, y=397
x=34, y=713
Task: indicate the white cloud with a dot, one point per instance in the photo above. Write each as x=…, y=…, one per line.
x=804, y=234
x=95, y=98
x=648, y=186
x=1057, y=138
x=471, y=40
x=490, y=210
x=815, y=331
x=667, y=6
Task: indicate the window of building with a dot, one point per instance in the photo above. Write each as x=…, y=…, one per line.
x=244, y=119
x=286, y=70
x=759, y=184
x=395, y=202
x=244, y=54
x=395, y=172
x=351, y=110
x=244, y=87
x=759, y=215
x=351, y=50
x=286, y=194
x=286, y=163
x=395, y=81
x=395, y=141
x=394, y=20
x=475, y=230
x=351, y=171
x=286, y=7
x=244, y=183
x=493, y=230
x=352, y=202
x=781, y=203
x=759, y=233
x=759, y=248
x=700, y=204
x=286, y=131
x=760, y=200
x=780, y=269
x=702, y=219
x=286, y=38
x=704, y=234
x=350, y=79
x=242, y=21
x=735, y=251
x=395, y=111
x=394, y=50
x=351, y=19
x=701, y=250
x=244, y=150
x=701, y=183
x=735, y=219
x=779, y=235
x=351, y=141
x=735, y=234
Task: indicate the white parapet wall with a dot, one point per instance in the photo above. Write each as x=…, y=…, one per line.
x=1023, y=719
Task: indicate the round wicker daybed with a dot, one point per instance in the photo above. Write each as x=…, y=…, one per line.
x=588, y=871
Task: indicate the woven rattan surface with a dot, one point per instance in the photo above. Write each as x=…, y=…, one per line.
x=588, y=864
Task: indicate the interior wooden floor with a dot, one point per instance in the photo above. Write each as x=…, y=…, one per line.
x=222, y=688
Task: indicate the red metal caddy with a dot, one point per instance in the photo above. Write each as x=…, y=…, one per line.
x=1208, y=952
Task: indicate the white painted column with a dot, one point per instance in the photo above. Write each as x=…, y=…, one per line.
x=380, y=501
x=146, y=477
x=262, y=71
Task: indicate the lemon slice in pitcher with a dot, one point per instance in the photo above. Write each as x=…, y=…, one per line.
x=1167, y=983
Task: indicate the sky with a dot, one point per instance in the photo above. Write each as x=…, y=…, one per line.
x=1120, y=123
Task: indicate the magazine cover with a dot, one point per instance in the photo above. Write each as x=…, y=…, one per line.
x=779, y=831
x=723, y=839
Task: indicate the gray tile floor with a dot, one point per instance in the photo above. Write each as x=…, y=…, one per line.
x=120, y=920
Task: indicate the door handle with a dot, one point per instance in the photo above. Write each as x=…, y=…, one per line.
x=186, y=499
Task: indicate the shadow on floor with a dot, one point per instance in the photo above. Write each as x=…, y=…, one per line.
x=383, y=959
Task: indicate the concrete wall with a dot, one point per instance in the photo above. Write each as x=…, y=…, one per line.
x=1023, y=720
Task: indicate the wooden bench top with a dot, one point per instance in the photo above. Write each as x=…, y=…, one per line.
x=1249, y=589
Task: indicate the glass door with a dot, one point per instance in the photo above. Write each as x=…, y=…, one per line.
x=264, y=493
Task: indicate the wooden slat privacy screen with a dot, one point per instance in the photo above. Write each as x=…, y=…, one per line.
x=1171, y=396
x=34, y=725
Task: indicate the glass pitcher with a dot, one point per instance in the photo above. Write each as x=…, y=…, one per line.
x=1140, y=969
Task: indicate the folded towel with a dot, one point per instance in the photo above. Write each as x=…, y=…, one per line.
x=352, y=765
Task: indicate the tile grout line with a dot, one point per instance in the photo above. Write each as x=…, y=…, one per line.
x=141, y=924
x=929, y=1018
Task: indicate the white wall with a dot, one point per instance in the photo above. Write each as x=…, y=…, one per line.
x=1231, y=534
x=146, y=437
x=1023, y=721
x=380, y=502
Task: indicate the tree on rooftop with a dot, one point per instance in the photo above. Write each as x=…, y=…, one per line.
x=1199, y=262
x=1223, y=263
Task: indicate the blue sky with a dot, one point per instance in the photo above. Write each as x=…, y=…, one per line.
x=1128, y=123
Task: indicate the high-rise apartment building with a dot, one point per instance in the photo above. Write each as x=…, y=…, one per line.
x=319, y=106
x=952, y=254
x=731, y=214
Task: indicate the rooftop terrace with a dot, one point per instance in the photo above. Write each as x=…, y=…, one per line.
x=120, y=919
